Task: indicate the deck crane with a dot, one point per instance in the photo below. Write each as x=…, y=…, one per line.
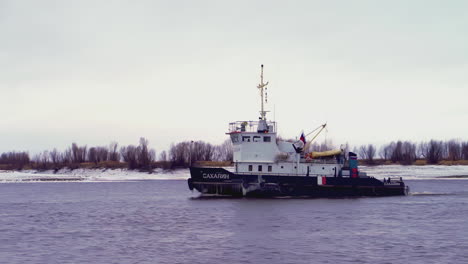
x=321, y=127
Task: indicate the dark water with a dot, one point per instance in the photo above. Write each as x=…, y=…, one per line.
x=160, y=222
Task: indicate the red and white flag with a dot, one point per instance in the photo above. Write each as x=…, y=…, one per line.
x=302, y=138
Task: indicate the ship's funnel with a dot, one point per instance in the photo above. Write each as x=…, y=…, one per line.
x=353, y=165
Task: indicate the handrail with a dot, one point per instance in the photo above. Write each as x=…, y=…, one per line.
x=249, y=126
x=324, y=161
x=279, y=174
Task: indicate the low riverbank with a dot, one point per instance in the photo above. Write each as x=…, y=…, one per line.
x=419, y=162
x=110, y=165
x=157, y=167
x=81, y=174
x=407, y=172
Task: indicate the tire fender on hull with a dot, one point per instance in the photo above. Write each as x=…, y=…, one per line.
x=190, y=184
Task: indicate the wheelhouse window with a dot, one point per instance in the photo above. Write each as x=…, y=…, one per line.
x=267, y=139
x=269, y=168
x=259, y=167
x=234, y=138
x=256, y=139
x=246, y=138
x=250, y=167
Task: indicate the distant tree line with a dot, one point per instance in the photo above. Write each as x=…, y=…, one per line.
x=135, y=157
x=321, y=146
x=15, y=160
x=187, y=152
x=75, y=156
x=406, y=152
x=182, y=154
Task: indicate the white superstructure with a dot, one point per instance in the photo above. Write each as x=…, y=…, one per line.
x=257, y=149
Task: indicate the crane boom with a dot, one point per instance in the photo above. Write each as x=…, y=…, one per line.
x=321, y=127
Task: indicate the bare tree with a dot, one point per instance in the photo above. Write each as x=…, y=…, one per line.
x=367, y=152
x=179, y=154
x=15, y=160
x=327, y=144
x=223, y=152
x=129, y=155
x=434, y=151
x=78, y=153
x=397, y=154
x=464, y=150
x=345, y=148
x=320, y=146
x=143, y=155
x=454, y=150
x=385, y=152
x=55, y=157
x=163, y=156
x=67, y=156
x=152, y=155
x=423, y=150
x=113, y=152
x=226, y=151
x=41, y=160
x=362, y=152
x=92, y=155
x=202, y=151
x=371, y=150
x=408, y=153
x=102, y=154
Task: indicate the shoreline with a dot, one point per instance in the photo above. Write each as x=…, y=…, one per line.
x=408, y=172
x=418, y=162
x=168, y=167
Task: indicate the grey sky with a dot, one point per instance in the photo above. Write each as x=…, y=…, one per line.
x=95, y=71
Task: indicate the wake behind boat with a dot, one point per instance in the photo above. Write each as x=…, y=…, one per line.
x=265, y=165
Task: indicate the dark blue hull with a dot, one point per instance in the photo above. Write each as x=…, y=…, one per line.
x=222, y=182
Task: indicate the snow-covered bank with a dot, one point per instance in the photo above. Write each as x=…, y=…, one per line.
x=416, y=172
x=379, y=172
x=93, y=175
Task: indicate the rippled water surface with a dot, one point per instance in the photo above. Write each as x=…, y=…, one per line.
x=161, y=221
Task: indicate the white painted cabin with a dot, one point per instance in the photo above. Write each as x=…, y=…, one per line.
x=258, y=151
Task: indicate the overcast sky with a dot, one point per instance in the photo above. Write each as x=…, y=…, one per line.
x=92, y=72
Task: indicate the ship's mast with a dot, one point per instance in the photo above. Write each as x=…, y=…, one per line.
x=262, y=87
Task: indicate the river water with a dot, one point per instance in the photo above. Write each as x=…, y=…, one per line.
x=161, y=221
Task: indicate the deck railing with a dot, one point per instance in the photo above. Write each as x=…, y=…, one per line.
x=250, y=126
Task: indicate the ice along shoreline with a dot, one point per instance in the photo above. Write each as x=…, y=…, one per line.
x=410, y=172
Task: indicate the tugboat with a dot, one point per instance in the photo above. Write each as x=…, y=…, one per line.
x=266, y=166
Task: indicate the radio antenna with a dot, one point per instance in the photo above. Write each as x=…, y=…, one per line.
x=262, y=87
